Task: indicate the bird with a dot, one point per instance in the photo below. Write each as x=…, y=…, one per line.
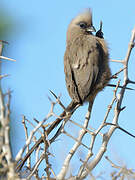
x=86, y=60
x=86, y=67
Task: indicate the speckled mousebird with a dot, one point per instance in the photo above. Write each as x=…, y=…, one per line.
x=86, y=67
x=86, y=59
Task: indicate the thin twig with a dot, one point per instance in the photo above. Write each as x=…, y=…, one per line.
x=117, y=61
x=36, y=166
x=58, y=100
x=114, y=76
x=19, y=155
x=26, y=135
x=6, y=58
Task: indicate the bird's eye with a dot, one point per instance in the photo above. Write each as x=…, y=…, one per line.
x=83, y=25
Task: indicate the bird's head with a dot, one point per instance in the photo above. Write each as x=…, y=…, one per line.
x=81, y=24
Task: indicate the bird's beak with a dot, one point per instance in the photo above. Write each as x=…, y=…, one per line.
x=91, y=29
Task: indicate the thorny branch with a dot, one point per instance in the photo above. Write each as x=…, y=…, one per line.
x=44, y=128
x=7, y=169
x=87, y=164
x=118, y=109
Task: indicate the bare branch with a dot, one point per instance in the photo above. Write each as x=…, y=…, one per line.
x=65, y=166
x=117, y=61
x=6, y=58
x=120, y=96
x=26, y=135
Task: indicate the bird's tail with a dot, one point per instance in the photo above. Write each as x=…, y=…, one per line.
x=71, y=108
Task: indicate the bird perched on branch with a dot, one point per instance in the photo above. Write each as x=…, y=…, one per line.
x=86, y=67
x=86, y=58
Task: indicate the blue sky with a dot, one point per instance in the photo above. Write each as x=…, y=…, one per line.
x=38, y=45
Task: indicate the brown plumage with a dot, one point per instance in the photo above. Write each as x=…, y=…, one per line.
x=86, y=61
x=86, y=68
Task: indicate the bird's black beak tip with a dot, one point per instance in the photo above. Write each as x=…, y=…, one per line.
x=91, y=29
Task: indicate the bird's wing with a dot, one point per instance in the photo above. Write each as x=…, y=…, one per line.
x=70, y=79
x=85, y=68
